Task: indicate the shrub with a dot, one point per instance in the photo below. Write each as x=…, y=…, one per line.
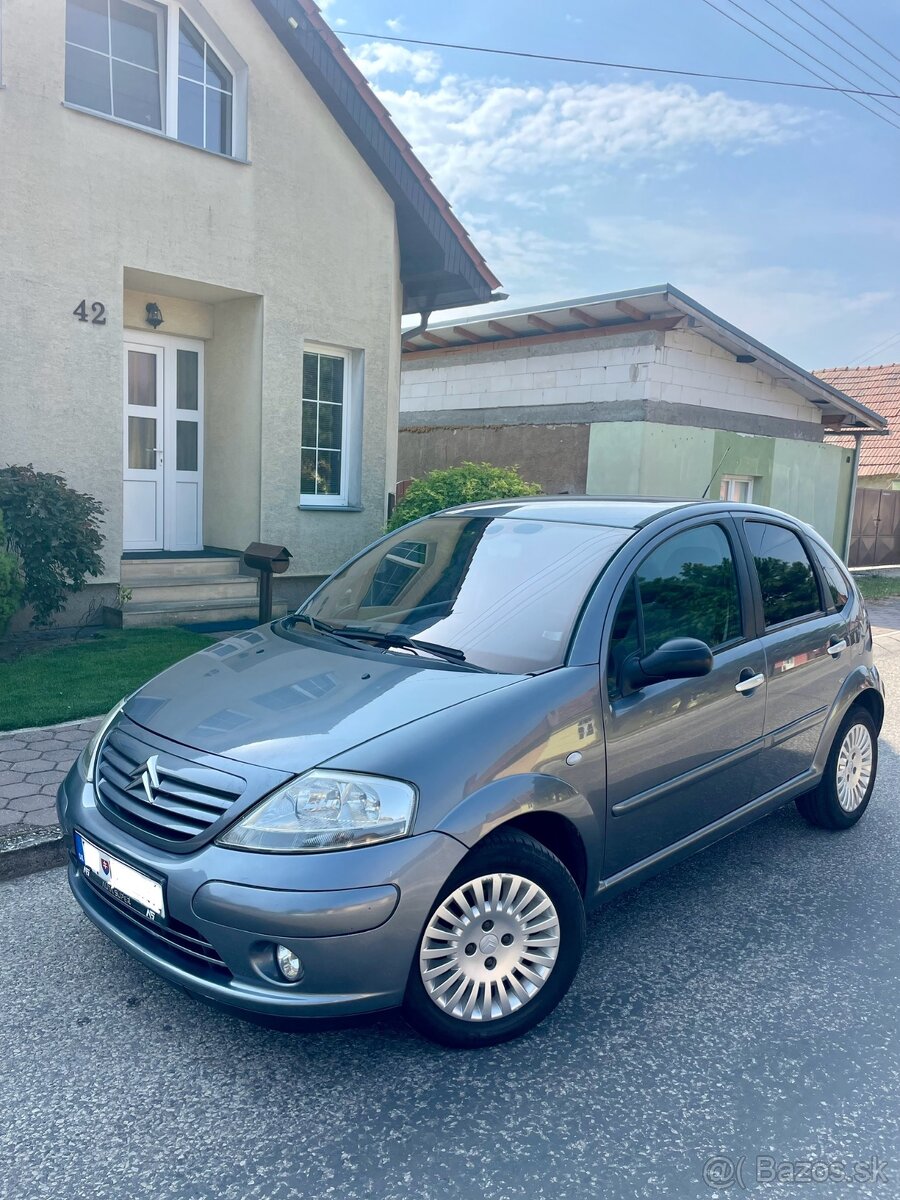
x=10, y=582
x=55, y=532
x=459, y=485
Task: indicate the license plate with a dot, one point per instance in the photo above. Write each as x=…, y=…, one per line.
x=117, y=877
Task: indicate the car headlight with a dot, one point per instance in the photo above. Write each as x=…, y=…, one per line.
x=88, y=760
x=326, y=810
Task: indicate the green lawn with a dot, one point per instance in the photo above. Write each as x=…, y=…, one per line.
x=878, y=587
x=86, y=678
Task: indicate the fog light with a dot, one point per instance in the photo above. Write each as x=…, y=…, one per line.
x=288, y=963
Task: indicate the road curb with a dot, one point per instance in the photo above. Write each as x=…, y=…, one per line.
x=29, y=849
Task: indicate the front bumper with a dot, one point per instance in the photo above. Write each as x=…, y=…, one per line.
x=353, y=917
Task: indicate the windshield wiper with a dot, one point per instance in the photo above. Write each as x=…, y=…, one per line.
x=401, y=642
x=361, y=634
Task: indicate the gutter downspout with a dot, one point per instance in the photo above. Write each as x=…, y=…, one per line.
x=851, y=504
x=424, y=317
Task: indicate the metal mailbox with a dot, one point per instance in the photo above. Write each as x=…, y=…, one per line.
x=269, y=560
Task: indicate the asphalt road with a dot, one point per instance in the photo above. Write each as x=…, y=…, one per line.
x=744, y=1004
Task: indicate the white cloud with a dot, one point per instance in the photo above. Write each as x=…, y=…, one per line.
x=674, y=246
x=386, y=58
x=475, y=135
x=394, y=24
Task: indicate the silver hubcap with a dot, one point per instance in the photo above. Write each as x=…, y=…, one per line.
x=854, y=767
x=489, y=948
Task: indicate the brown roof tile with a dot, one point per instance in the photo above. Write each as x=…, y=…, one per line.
x=879, y=389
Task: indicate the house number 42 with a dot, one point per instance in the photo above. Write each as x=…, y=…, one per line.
x=98, y=309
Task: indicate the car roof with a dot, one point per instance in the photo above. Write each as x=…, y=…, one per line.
x=620, y=512
x=623, y=512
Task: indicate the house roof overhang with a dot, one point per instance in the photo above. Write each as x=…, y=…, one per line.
x=439, y=265
x=656, y=308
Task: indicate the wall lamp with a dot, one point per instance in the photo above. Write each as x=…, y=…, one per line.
x=154, y=314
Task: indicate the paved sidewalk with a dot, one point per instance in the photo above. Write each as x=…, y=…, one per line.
x=33, y=762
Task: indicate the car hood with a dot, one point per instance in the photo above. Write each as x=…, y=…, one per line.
x=291, y=703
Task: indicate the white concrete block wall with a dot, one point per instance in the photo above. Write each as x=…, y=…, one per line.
x=680, y=367
x=570, y=373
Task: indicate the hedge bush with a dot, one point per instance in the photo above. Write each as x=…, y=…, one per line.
x=460, y=485
x=10, y=582
x=55, y=533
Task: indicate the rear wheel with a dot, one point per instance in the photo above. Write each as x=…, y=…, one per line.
x=846, y=786
x=500, y=947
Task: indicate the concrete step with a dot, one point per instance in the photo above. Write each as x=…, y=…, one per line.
x=185, y=612
x=133, y=570
x=181, y=587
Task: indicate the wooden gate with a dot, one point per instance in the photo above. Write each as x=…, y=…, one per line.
x=875, y=541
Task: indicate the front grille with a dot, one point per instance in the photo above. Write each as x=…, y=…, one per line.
x=176, y=934
x=160, y=794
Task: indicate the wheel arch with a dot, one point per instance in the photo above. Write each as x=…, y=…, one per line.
x=544, y=807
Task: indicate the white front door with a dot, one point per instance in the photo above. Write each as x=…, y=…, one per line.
x=163, y=500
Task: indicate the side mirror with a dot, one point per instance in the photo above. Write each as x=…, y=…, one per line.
x=678, y=658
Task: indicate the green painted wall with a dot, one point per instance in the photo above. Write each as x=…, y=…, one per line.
x=810, y=480
x=738, y=454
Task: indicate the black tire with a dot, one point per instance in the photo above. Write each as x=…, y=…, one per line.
x=512, y=852
x=822, y=807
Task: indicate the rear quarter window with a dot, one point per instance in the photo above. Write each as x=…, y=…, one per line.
x=838, y=587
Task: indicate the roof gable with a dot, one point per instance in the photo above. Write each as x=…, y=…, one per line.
x=878, y=388
x=439, y=265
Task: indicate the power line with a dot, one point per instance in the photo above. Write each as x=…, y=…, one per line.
x=785, y=54
x=833, y=49
x=860, y=29
x=881, y=346
x=595, y=62
x=847, y=42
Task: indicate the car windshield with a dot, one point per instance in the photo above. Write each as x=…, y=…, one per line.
x=505, y=591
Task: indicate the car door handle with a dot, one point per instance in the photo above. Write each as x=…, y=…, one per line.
x=750, y=684
x=836, y=648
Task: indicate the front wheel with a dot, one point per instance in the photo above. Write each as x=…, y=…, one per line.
x=501, y=946
x=846, y=786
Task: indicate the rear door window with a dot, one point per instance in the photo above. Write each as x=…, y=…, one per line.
x=787, y=581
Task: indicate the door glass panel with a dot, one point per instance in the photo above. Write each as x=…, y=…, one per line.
x=188, y=385
x=142, y=443
x=786, y=578
x=142, y=378
x=186, y=445
x=688, y=588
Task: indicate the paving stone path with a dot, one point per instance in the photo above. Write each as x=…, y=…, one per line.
x=33, y=763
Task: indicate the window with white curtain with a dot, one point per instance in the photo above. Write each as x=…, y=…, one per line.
x=149, y=64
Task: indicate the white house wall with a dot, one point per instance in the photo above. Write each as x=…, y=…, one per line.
x=304, y=227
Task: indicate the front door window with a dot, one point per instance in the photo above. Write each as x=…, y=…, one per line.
x=163, y=444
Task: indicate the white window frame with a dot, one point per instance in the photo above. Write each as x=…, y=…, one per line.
x=170, y=17
x=726, y=488
x=348, y=420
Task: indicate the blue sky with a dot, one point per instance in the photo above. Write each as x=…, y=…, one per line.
x=777, y=208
